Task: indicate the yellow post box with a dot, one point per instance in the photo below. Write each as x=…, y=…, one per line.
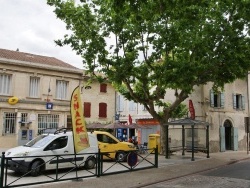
x=153, y=141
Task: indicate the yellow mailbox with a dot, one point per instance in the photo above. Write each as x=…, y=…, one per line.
x=153, y=141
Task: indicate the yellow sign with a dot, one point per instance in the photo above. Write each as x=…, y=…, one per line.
x=81, y=140
x=13, y=100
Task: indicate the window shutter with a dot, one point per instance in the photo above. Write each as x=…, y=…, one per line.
x=87, y=109
x=103, y=88
x=234, y=101
x=131, y=106
x=102, y=110
x=211, y=98
x=222, y=139
x=222, y=100
x=243, y=102
x=121, y=103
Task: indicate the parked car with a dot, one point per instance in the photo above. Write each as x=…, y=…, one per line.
x=45, y=147
x=116, y=149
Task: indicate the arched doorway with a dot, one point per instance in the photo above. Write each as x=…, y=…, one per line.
x=228, y=135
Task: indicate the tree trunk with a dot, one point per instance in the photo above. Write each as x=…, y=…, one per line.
x=163, y=139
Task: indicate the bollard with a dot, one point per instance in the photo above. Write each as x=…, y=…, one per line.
x=98, y=163
x=156, y=156
x=2, y=169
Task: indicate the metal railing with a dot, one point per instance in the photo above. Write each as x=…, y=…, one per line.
x=135, y=160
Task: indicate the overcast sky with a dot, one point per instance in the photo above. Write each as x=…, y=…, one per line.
x=32, y=26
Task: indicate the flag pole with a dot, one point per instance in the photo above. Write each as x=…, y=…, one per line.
x=71, y=101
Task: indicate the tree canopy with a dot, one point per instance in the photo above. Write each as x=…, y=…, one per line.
x=145, y=47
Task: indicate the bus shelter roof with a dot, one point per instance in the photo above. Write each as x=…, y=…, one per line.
x=188, y=121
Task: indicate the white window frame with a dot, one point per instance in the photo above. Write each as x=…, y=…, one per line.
x=5, y=84
x=62, y=89
x=34, y=87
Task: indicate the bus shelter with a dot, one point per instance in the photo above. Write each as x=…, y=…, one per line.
x=184, y=124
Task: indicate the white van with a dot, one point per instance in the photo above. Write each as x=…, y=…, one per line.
x=45, y=147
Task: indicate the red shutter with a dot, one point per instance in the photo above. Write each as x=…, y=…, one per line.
x=87, y=109
x=102, y=110
x=103, y=88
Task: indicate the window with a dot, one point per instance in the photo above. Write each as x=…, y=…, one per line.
x=47, y=121
x=120, y=103
x=238, y=102
x=217, y=100
x=103, y=88
x=132, y=106
x=9, y=123
x=102, y=110
x=24, y=117
x=58, y=143
x=105, y=139
x=5, y=83
x=61, y=89
x=34, y=87
x=69, y=121
x=143, y=108
x=87, y=109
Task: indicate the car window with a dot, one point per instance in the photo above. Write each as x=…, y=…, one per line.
x=35, y=140
x=58, y=143
x=43, y=142
x=105, y=139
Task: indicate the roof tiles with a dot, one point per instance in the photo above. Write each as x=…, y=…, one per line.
x=36, y=59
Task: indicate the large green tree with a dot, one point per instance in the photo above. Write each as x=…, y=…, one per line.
x=147, y=46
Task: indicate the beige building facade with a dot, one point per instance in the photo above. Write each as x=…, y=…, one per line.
x=35, y=94
x=224, y=111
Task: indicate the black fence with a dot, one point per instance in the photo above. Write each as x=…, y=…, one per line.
x=134, y=160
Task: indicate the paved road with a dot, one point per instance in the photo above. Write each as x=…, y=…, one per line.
x=235, y=175
x=240, y=170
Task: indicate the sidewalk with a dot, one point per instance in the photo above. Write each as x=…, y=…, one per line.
x=176, y=166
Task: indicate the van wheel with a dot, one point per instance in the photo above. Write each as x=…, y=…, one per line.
x=36, y=168
x=90, y=163
x=120, y=156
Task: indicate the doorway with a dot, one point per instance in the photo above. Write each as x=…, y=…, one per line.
x=228, y=135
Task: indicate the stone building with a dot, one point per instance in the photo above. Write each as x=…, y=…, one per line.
x=224, y=111
x=35, y=94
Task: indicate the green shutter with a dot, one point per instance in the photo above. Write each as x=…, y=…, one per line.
x=211, y=98
x=235, y=138
x=243, y=102
x=222, y=100
x=234, y=101
x=222, y=139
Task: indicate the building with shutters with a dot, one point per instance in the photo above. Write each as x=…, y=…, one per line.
x=225, y=112
x=35, y=94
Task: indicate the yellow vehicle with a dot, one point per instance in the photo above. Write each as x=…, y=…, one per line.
x=108, y=143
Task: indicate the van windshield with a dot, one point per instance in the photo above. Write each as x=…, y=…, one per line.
x=40, y=141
